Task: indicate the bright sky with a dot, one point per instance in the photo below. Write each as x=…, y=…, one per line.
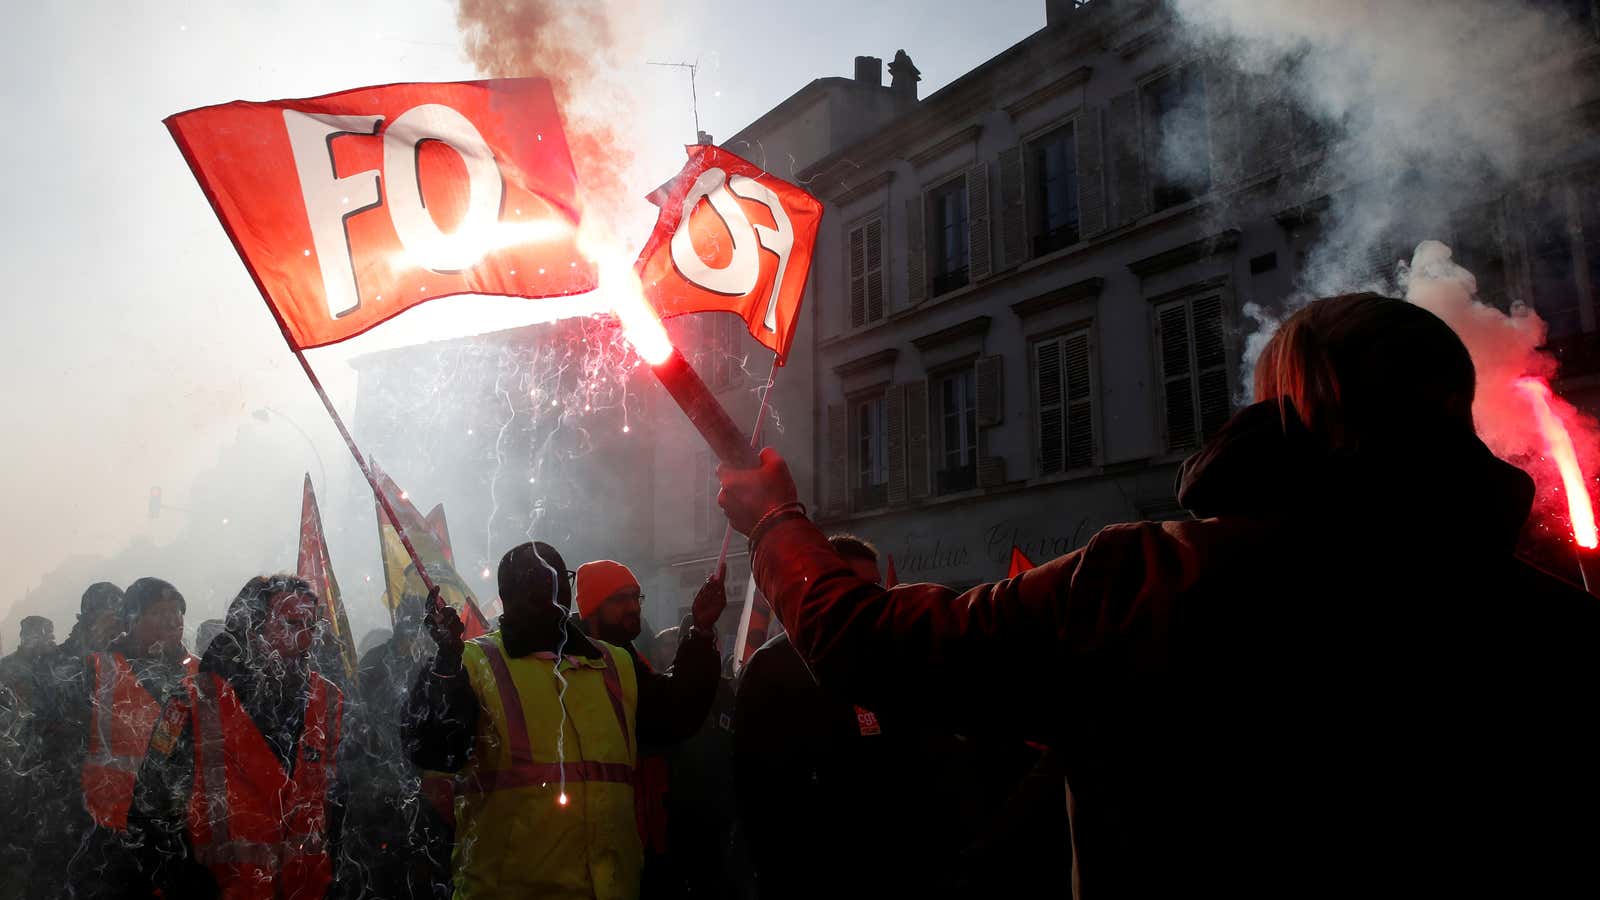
x=136, y=347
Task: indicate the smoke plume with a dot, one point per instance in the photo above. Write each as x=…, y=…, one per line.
x=1504, y=348
x=583, y=50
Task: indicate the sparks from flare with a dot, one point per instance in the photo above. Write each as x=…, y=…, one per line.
x=1558, y=443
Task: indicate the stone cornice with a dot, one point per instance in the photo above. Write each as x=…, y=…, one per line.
x=1167, y=260
x=1061, y=296
x=1054, y=89
x=871, y=185
x=977, y=326
x=866, y=363
x=932, y=152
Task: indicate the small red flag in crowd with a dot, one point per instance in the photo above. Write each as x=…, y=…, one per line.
x=1019, y=562
x=314, y=565
x=352, y=207
x=731, y=238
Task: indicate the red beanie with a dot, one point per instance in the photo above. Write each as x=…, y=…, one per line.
x=597, y=581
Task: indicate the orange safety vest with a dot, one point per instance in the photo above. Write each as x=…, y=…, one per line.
x=260, y=830
x=124, y=714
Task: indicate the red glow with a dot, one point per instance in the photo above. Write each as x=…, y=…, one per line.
x=1558, y=443
x=562, y=799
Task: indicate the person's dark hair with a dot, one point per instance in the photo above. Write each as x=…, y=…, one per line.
x=245, y=617
x=100, y=596
x=527, y=573
x=1363, y=368
x=147, y=592
x=35, y=627
x=851, y=547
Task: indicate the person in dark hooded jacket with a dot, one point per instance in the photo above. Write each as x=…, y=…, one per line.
x=1335, y=680
x=277, y=731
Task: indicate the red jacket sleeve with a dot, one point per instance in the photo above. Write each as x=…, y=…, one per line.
x=1003, y=658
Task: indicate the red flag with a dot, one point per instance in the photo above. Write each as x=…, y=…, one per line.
x=731, y=238
x=890, y=579
x=350, y=208
x=316, y=568
x=1019, y=562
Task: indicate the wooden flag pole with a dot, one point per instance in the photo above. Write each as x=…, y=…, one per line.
x=399, y=529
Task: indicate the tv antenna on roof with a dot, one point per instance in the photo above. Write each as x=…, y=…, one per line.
x=694, y=96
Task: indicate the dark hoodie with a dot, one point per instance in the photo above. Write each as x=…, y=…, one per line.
x=275, y=698
x=1336, y=681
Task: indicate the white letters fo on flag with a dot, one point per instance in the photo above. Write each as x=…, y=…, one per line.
x=743, y=270
x=330, y=199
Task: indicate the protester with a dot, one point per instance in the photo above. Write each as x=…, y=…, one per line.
x=821, y=778
x=399, y=826
x=241, y=794
x=129, y=681
x=543, y=724
x=26, y=672
x=1337, y=681
x=610, y=600
x=58, y=735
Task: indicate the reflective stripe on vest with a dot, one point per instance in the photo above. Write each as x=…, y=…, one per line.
x=523, y=771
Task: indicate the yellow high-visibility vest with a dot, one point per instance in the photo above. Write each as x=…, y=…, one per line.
x=514, y=835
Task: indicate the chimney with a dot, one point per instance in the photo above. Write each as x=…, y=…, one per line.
x=903, y=77
x=869, y=71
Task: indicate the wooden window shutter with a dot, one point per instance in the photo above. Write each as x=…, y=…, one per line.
x=1211, y=365
x=874, y=270
x=980, y=262
x=989, y=382
x=1177, y=375
x=838, y=457
x=1013, y=215
x=858, y=277
x=917, y=439
x=1222, y=111
x=1091, y=175
x=1130, y=200
x=894, y=408
x=916, y=251
x=1078, y=368
x=1048, y=403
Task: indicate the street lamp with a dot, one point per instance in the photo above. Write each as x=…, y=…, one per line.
x=266, y=413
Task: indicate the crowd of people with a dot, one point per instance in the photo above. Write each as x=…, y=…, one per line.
x=255, y=765
x=1297, y=692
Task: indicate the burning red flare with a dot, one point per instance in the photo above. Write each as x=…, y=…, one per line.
x=1558, y=443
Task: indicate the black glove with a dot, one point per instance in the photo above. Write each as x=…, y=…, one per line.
x=709, y=603
x=445, y=627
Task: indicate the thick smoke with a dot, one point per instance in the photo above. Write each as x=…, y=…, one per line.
x=1504, y=348
x=582, y=49
x=1428, y=107
x=1431, y=111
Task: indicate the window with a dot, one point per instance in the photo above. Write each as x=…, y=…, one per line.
x=866, y=273
x=1063, y=399
x=1177, y=137
x=870, y=463
x=956, y=411
x=949, y=233
x=1053, y=190
x=1194, y=370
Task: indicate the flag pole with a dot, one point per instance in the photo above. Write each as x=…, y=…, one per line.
x=366, y=471
x=755, y=444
